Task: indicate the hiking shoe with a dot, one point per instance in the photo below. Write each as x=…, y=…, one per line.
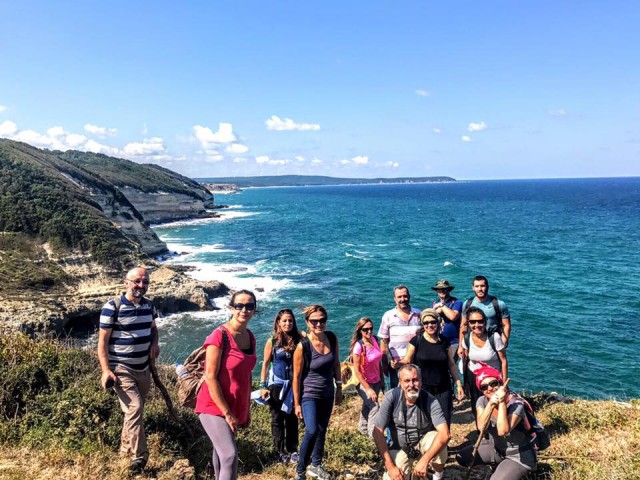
x=300, y=477
x=137, y=465
x=318, y=472
x=294, y=458
x=283, y=458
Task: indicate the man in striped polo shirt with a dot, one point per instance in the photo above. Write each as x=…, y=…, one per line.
x=399, y=325
x=128, y=338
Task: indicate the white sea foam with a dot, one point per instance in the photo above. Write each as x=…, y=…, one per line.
x=187, y=251
x=359, y=257
x=225, y=215
x=448, y=263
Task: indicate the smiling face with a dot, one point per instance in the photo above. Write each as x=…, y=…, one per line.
x=410, y=382
x=477, y=323
x=317, y=322
x=401, y=297
x=367, y=330
x=242, y=306
x=489, y=386
x=286, y=322
x=136, y=283
x=480, y=288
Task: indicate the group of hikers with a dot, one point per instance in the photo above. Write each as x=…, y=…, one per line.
x=451, y=349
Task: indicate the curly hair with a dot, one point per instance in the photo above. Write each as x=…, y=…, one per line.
x=288, y=341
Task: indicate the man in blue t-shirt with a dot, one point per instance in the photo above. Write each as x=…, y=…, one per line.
x=497, y=321
x=449, y=308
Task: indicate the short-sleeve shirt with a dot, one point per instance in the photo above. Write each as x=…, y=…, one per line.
x=371, y=360
x=234, y=377
x=484, y=354
x=487, y=307
x=515, y=445
x=433, y=360
x=398, y=331
x=130, y=338
x=451, y=330
x=407, y=430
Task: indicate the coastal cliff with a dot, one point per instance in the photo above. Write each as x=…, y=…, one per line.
x=72, y=223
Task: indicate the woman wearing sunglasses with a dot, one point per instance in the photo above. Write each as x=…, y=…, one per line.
x=430, y=351
x=316, y=366
x=480, y=347
x=508, y=444
x=366, y=356
x=278, y=391
x=223, y=406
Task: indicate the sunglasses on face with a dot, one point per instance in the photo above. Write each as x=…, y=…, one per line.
x=476, y=322
x=492, y=384
x=319, y=321
x=366, y=330
x=430, y=324
x=239, y=306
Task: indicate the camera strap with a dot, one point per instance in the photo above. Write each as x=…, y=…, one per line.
x=418, y=416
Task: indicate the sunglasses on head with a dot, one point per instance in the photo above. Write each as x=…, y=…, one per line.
x=367, y=330
x=240, y=306
x=430, y=323
x=492, y=384
x=319, y=321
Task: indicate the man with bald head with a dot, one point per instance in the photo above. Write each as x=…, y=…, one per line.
x=128, y=339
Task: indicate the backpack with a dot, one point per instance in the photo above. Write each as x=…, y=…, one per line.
x=540, y=439
x=190, y=383
x=306, y=350
x=496, y=307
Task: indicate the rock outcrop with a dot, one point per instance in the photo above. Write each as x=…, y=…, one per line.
x=161, y=207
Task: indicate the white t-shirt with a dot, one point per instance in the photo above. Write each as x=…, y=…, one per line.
x=484, y=354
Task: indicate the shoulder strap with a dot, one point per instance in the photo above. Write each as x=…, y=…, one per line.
x=496, y=307
x=225, y=339
x=467, y=304
x=306, y=355
x=332, y=340
x=492, y=342
x=117, y=302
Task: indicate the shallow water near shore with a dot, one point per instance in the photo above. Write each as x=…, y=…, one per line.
x=561, y=253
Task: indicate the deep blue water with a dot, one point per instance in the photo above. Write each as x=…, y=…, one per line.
x=563, y=255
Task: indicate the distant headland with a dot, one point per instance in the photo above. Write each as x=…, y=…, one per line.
x=310, y=180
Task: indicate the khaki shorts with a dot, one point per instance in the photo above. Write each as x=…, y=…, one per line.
x=406, y=465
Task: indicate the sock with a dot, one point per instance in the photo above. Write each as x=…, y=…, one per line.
x=437, y=475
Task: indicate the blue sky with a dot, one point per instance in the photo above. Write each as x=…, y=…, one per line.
x=473, y=90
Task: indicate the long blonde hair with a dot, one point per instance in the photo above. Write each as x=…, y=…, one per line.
x=357, y=332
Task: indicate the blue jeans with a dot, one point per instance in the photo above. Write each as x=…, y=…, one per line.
x=316, y=414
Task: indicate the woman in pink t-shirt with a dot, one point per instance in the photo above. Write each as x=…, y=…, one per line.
x=223, y=402
x=366, y=361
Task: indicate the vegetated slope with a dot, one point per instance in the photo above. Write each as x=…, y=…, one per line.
x=308, y=180
x=46, y=198
x=147, y=178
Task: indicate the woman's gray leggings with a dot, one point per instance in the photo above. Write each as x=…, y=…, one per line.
x=225, y=451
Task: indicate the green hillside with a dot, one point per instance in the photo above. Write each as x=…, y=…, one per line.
x=40, y=200
x=125, y=173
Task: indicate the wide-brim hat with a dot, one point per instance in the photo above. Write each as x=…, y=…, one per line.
x=443, y=285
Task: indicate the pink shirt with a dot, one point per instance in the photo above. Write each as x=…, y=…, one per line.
x=234, y=377
x=398, y=331
x=372, y=362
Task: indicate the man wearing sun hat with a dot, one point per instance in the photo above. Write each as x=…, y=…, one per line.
x=449, y=308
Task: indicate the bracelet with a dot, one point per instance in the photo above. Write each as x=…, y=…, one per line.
x=338, y=382
x=263, y=384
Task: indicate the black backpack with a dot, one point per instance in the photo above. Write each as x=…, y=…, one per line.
x=540, y=439
x=496, y=306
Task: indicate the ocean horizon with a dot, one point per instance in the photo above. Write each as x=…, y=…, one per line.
x=562, y=253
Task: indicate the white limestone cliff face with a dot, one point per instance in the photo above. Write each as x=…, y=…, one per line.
x=163, y=207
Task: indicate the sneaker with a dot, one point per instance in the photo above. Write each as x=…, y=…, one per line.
x=294, y=458
x=300, y=477
x=318, y=472
x=283, y=458
x=137, y=465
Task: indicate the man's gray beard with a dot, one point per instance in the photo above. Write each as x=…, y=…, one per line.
x=413, y=395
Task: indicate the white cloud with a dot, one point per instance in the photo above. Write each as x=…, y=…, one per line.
x=95, y=147
x=265, y=160
x=8, y=128
x=466, y=138
x=477, y=127
x=101, y=132
x=392, y=164
x=276, y=123
x=236, y=148
x=2, y=108
x=422, y=93
x=345, y=162
x=559, y=112
x=75, y=140
x=316, y=161
x=214, y=158
x=209, y=138
x=437, y=131
x=360, y=160
x=239, y=160
x=149, y=146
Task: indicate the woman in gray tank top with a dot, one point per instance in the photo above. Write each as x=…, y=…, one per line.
x=316, y=365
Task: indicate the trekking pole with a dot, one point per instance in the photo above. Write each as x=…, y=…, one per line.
x=477, y=444
x=167, y=398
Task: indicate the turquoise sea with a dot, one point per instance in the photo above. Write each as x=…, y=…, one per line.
x=563, y=255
